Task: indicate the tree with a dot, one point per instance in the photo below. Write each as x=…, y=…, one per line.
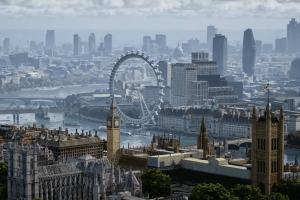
x=211, y=191
x=3, y=180
x=287, y=187
x=3, y=171
x=156, y=184
x=247, y=192
x=3, y=191
x=277, y=196
x=104, y=145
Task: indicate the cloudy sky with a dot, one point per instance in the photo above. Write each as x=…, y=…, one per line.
x=147, y=14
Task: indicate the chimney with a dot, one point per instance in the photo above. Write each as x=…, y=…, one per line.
x=43, y=126
x=59, y=128
x=66, y=130
x=13, y=127
x=34, y=125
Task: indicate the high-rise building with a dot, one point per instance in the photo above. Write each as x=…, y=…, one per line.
x=146, y=44
x=76, y=45
x=113, y=124
x=18, y=59
x=165, y=68
x=32, y=45
x=50, y=39
x=293, y=36
x=6, y=45
x=267, y=48
x=108, y=44
x=237, y=88
x=92, y=43
x=281, y=45
x=211, y=31
x=161, y=40
x=267, y=149
x=184, y=76
x=294, y=72
x=258, y=45
x=249, y=52
x=220, y=53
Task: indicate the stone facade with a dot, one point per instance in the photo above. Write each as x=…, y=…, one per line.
x=267, y=149
x=113, y=125
x=203, y=141
x=85, y=178
x=227, y=123
x=68, y=145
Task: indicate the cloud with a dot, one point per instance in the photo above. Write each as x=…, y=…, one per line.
x=213, y=8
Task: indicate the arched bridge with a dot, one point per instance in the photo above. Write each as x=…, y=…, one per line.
x=236, y=144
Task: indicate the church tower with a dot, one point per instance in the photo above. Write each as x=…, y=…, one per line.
x=113, y=124
x=267, y=149
x=203, y=140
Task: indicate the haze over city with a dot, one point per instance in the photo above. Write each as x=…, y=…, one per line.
x=149, y=99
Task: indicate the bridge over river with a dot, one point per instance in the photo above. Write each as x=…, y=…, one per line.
x=51, y=110
x=35, y=98
x=232, y=144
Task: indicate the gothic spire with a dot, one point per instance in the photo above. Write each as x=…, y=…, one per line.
x=203, y=128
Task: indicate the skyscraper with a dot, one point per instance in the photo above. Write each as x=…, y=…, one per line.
x=249, y=52
x=32, y=45
x=146, y=44
x=50, y=39
x=76, y=45
x=220, y=53
x=184, y=76
x=281, y=45
x=211, y=31
x=92, y=43
x=108, y=44
x=258, y=45
x=293, y=36
x=165, y=68
x=6, y=45
x=161, y=40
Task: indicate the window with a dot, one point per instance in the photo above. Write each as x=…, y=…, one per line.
x=272, y=144
x=272, y=167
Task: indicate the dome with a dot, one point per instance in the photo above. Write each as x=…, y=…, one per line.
x=178, y=52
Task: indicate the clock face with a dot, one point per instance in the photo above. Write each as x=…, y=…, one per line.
x=108, y=123
x=117, y=123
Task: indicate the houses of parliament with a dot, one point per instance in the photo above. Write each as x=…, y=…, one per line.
x=88, y=177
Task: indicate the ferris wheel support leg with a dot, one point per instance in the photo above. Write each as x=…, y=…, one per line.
x=145, y=105
x=140, y=96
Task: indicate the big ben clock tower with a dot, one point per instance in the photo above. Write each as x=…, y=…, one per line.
x=113, y=124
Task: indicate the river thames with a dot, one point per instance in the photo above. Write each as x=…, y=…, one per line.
x=56, y=119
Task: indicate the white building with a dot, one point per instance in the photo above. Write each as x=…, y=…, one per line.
x=184, y=74
x=221, y=123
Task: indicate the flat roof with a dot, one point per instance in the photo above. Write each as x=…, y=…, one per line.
x=106, y=95
x=207, y=162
